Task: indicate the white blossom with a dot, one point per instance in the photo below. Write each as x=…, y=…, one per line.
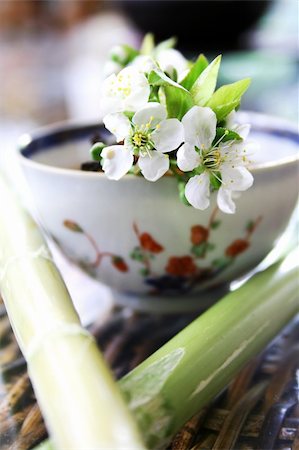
x=129, y=90
x=226, y=161
x=148, y=136
x=144, y=63
x=168, y=60
x=171, y=61
x=117, y=161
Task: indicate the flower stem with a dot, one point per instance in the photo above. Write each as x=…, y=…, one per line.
x=253, y=228
x=99, y=255
x=212, y=217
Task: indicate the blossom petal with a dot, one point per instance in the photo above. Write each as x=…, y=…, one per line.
x=237, y=153
x=251, y=152
x=168, y=135
x=197, y=191
x=230, y=120
x=187, y=158
x=138, y=88
x=152, y=113
x=233, y=153
x=236, y=178
x=144, y=63
x=137, y=99
x=118, y=124
x=200, y=126
x=117, y=161
x=243, y=130
x=154, y=165
x=110, y=102
x=225, y=202
x=127, y=91
x=111, y=67
x=170, y=59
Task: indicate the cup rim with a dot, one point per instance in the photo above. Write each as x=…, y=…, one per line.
x=259, y=121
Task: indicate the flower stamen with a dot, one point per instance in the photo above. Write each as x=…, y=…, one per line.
x=141, y=141
x=212, y=159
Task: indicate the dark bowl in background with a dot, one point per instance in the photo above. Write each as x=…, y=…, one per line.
x=208, y=25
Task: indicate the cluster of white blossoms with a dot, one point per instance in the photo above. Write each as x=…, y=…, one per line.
x=166, y=118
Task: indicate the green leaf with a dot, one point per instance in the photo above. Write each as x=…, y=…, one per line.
x=137, y=254
x=199, y=250
x=159, y=78
x=250, y=226
x=178, y=99
x=227, y=98
x=203, y=88
x=148, y=44
x=210, y=246
x=215, y=181
x=215, y=224
x=174, y=74
x=222, y=263
x=178, y=102
x=164, y=45
x=128, y=114
x=224, y=135
x=181, y=187
x=154, y=94
x=198, y=67
x=131, y=53
x=144, y=272
x=96, y=151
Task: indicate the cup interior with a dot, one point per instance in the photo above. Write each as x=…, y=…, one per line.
x=67, y=146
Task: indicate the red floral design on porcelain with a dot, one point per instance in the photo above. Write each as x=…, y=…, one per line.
x=182, y=273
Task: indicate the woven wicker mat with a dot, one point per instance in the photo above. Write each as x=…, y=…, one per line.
x=245, y=416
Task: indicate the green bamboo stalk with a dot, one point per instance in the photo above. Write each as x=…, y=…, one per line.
x=79, y=399
x=185, y=374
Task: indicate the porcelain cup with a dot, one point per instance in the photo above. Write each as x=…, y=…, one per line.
x=137, y=237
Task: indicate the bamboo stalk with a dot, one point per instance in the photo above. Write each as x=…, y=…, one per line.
x=79, y=399
x=185, y=374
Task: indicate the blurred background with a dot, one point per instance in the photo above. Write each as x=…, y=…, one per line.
x=52, y=52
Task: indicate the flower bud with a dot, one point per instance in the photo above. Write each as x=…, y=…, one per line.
x=118, y=54
x=73, y=226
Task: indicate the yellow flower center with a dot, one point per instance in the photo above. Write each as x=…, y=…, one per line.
x=212, y=159
x=139, y=139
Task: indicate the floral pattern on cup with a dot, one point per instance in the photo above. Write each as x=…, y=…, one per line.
x=182, y=272
x=117, y=261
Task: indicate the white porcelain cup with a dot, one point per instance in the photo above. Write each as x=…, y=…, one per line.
x=138, y=238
